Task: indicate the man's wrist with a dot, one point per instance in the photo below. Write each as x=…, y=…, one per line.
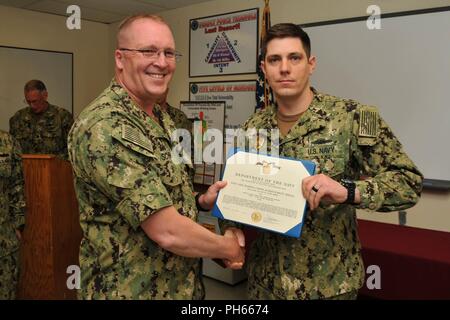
x=351, y=188
x=198, y=204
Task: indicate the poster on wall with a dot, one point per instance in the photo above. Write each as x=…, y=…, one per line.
x=224, y=44
x=208, y=115
x=239, y=97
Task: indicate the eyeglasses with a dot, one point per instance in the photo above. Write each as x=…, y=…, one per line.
x=153, y=53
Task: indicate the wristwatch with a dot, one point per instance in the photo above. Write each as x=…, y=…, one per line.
x=197, y=203
x=350, y=186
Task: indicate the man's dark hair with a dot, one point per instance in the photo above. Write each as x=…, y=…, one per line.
x=34, y=85
x=286, y=30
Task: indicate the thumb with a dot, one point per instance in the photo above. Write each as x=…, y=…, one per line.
x=241, y=238
x=217, y=186
x=239, y=235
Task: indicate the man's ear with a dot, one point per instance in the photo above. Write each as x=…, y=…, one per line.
x=263, y=67
x=312, y=64
x=118, y=56
x=45, y=94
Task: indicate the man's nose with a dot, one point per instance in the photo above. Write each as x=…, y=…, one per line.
x=285, y=66
x=161, y=59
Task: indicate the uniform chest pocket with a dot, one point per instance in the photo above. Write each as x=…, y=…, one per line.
x=24, y=133
x=171, y=174
x=328, y=158
x=5, y=166
x=50, y=133
x=333, y=167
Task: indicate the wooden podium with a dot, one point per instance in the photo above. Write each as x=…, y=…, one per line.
x=51, y=239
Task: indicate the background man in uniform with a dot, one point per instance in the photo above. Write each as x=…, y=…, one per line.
x=12, y=214
x=346, y=140
x=137, y=207
x=41, y=127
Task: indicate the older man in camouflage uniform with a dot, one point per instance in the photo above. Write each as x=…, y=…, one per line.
x=346, y=140
x=137, y=206
x=12, y=209
x=41, y=127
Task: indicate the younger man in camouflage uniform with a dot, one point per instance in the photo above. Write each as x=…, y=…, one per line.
x=137, y=208
x=12, y=210
x=41, y=127
x=346, y=140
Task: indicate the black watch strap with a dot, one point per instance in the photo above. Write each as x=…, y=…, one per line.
x=351, y=187
x=197, y=203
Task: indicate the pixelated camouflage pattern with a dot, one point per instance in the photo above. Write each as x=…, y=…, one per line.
x=181, y=121
x=44, y=133
x=179, y=118
x=12, y=212
x=326, y=260
x=9, y=276
x=123, y=174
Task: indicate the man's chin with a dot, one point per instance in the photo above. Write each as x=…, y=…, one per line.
x=286, y=92
x=157, y=91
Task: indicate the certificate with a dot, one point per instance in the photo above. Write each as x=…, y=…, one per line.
x=264, y=192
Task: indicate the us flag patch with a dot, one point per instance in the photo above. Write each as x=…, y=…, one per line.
x=368, y=124
x=134, y=136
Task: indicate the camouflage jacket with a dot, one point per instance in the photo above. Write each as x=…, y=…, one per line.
x=344, y=139
x=12, y=200
x=123, y=174
x=180, y=119
x=42, y=133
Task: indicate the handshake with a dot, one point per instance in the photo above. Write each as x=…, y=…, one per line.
x=231, y=251
x=238, y=258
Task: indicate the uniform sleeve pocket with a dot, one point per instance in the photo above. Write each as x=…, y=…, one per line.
x=139, y=204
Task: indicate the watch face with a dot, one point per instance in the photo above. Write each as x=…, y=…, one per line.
x=346, y=182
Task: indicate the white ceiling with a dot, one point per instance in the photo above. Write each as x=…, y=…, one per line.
x=105, y=11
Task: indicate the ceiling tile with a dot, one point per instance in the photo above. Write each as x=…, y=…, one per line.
x=105, y=11
x=60, y=8
x=172, y=4
x=117, y=6
x=49, y=6
x=16, y=3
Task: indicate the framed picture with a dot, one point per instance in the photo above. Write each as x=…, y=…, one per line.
x=206, y=116
x=224, y=44
x=239, y=97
